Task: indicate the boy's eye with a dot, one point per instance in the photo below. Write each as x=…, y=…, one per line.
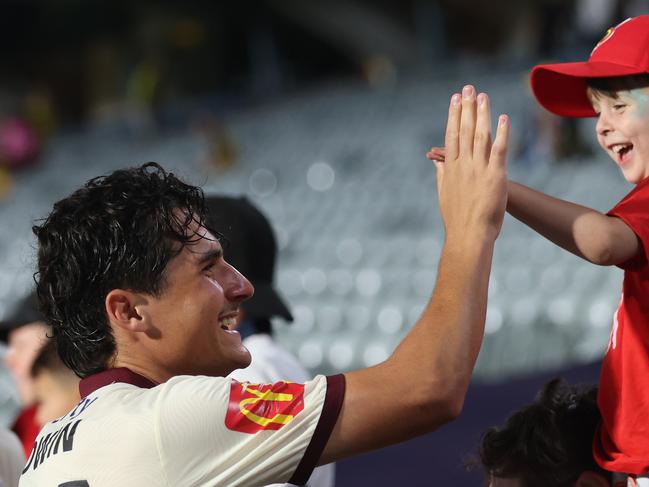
x=619, y=106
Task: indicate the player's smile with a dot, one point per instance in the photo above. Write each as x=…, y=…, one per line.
x=228, y=322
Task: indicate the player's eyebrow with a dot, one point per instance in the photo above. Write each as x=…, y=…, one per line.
x=215, y=253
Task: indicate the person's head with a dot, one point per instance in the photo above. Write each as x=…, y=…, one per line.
x=128, y=275
x=548, y=442
x=56, y=388
x=25, y=332
x=613, y=85
x=251, y=248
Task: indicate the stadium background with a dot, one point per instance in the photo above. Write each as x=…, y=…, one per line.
x=321, y=113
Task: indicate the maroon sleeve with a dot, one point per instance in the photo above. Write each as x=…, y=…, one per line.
x=330, y=411
x=634, y=211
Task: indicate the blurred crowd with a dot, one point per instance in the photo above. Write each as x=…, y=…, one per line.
x=135, y=71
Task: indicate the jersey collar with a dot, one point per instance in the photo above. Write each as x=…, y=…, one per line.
x=122, y=374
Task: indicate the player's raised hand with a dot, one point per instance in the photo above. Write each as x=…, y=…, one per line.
x=472, y=180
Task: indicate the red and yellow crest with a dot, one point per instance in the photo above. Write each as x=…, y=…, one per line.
x=257, y=407
x=608, y=35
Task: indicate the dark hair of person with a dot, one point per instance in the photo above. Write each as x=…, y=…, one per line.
x=117, y=231
x=48, y=360
x=611, y=86
x=548, y=442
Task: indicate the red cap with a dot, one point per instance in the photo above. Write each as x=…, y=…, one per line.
x=624, y=50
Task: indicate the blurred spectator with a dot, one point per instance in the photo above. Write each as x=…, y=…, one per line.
x=25, y=333
x=251, y=248
x=56, y=387
x=547, y=443
x=11, y=459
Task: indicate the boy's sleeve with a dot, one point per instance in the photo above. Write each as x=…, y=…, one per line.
x=220, y=431
x=634, y=211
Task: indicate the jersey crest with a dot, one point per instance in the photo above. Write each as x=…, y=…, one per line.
x=256, y=407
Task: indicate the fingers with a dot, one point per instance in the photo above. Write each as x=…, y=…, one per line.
x=498, y=155
x=451, y=141
x=482, y=137
x=436, y=154
x=468, y=120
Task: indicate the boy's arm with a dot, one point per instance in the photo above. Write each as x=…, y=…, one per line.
x=587, y=233
x=423, y=384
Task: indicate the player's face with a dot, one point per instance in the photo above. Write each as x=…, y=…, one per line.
x=197, y=310
x=623, y=130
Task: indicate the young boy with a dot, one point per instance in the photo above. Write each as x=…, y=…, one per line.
x=56, y=387
x=613, y=85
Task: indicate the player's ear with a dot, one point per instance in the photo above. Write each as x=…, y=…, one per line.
x=589, y=478
x=122, y=309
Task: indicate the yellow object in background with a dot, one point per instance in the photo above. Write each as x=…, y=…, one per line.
x=6, y=183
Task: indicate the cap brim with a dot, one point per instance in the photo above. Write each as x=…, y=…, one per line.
x=561, y=88
x=266, y=303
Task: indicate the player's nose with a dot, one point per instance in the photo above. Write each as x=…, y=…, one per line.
x=237, y=288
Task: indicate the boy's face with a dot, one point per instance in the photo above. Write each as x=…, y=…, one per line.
x=623, y=130
x=55, y=396
x=24, y=344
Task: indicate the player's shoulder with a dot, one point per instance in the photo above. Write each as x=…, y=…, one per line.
x=195, y=389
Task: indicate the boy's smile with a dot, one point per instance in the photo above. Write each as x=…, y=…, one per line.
x=623, y=130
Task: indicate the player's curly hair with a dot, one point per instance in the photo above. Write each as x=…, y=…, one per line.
x=549, y=442
x=117, y=231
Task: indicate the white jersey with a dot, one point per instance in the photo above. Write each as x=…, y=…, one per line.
x=188, y=431
x=271, y=362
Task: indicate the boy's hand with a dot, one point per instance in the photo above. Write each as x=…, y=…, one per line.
x=437, y=154
x=472, y=182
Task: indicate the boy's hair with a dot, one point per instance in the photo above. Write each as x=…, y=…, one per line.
x=611, y=86
x=548, y=442
x=48, y=360
x=117, y=231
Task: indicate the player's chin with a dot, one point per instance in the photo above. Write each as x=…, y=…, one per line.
x=242, y=358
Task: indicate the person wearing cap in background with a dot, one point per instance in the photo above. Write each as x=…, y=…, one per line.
x=250, y=247
x=25, y=332
x=613, y=86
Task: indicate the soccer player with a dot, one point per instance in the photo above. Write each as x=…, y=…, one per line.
x=142, y=306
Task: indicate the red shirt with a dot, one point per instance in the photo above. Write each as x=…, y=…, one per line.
x=26, y=428
x=622, y=440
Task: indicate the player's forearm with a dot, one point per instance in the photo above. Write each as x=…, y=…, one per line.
x=423, y=384
x=578, y=229
x=441, y=349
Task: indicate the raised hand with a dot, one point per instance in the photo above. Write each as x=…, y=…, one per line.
x=472, y=180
